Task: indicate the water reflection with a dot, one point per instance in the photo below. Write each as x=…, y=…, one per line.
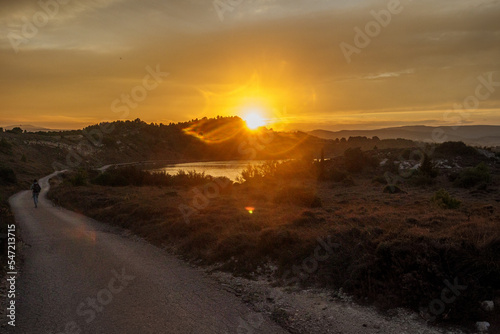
x=231, y=169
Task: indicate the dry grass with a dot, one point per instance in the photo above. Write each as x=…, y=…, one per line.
x=395, y=249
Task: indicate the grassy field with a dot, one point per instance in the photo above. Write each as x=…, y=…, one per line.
x=318, y=224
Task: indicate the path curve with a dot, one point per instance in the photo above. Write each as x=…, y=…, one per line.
x=82, y=276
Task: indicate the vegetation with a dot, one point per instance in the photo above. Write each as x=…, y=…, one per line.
x=5, y=146
x=471, y=177
x=392, y=189
x=443, y=199
x=133, y=176
x=7, y=176
x=391, y=256
x=298, y=196
x=427, y=167
x=16, y=130
x=356, y=160
x=395, y=250
x=455, y=148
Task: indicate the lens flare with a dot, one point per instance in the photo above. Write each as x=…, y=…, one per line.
x=250, y=209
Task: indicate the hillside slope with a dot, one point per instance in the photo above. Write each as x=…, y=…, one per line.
x=482, y=135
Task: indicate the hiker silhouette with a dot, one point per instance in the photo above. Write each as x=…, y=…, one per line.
x=35, y=187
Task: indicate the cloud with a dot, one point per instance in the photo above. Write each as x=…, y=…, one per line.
x=91, y=52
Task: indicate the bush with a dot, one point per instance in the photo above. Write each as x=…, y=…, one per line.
x=356, y=160
x=17, y=130
x=110, y=180
x=473, y=176
x=121, y=177
x=444, y=200
x=5, y=146
x=420, y=179
x=7, y=176
x=393, y=189
x=380, y=179
x=455, y=148
x=286, y=170
x=427, y=167
x=335, y=175
x=298, y=196
x=79, y=178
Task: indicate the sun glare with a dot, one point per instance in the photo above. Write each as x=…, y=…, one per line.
x=254, y=120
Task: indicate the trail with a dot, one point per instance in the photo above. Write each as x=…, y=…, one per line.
x=82, y=276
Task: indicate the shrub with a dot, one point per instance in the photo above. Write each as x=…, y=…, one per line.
x=455, y=148
x=7, y=176
x=110, y=180
x=5, y=146
x=444, y=200
x=307, y=219
x=79, y=178
x=393, y=189
x=16, y=130
x=336, y=175
x=421, y=179
x=356, y=160
x=380, y=179
x=298, y=196
x=121, y=177
x=286, y=170
x=427, y=167
x=473, y=176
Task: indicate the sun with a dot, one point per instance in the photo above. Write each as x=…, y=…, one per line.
x=254, y=120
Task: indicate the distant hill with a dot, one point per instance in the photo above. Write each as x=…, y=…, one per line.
x=480, y=135
x=28, y=127
x=221, y=138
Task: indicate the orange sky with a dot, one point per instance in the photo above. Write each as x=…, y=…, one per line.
x=302, y=64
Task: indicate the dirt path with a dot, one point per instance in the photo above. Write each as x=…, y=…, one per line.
x=81, y=276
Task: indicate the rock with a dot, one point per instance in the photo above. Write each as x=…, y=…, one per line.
x=488, y=305
x=482, y=326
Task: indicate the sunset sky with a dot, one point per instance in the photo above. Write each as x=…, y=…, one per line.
x=283, y=59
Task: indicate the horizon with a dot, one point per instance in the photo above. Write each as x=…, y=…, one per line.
x=38, y=128
x=364, y=65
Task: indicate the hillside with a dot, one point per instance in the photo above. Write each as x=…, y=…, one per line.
x=480, y=135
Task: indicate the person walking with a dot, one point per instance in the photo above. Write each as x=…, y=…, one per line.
x=35, y=187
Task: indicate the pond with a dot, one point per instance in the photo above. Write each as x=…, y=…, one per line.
x=231, y=169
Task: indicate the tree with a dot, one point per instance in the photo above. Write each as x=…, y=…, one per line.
x=427, y=167
x=16, y=130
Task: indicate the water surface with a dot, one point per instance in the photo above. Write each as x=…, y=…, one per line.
x=231, y=169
